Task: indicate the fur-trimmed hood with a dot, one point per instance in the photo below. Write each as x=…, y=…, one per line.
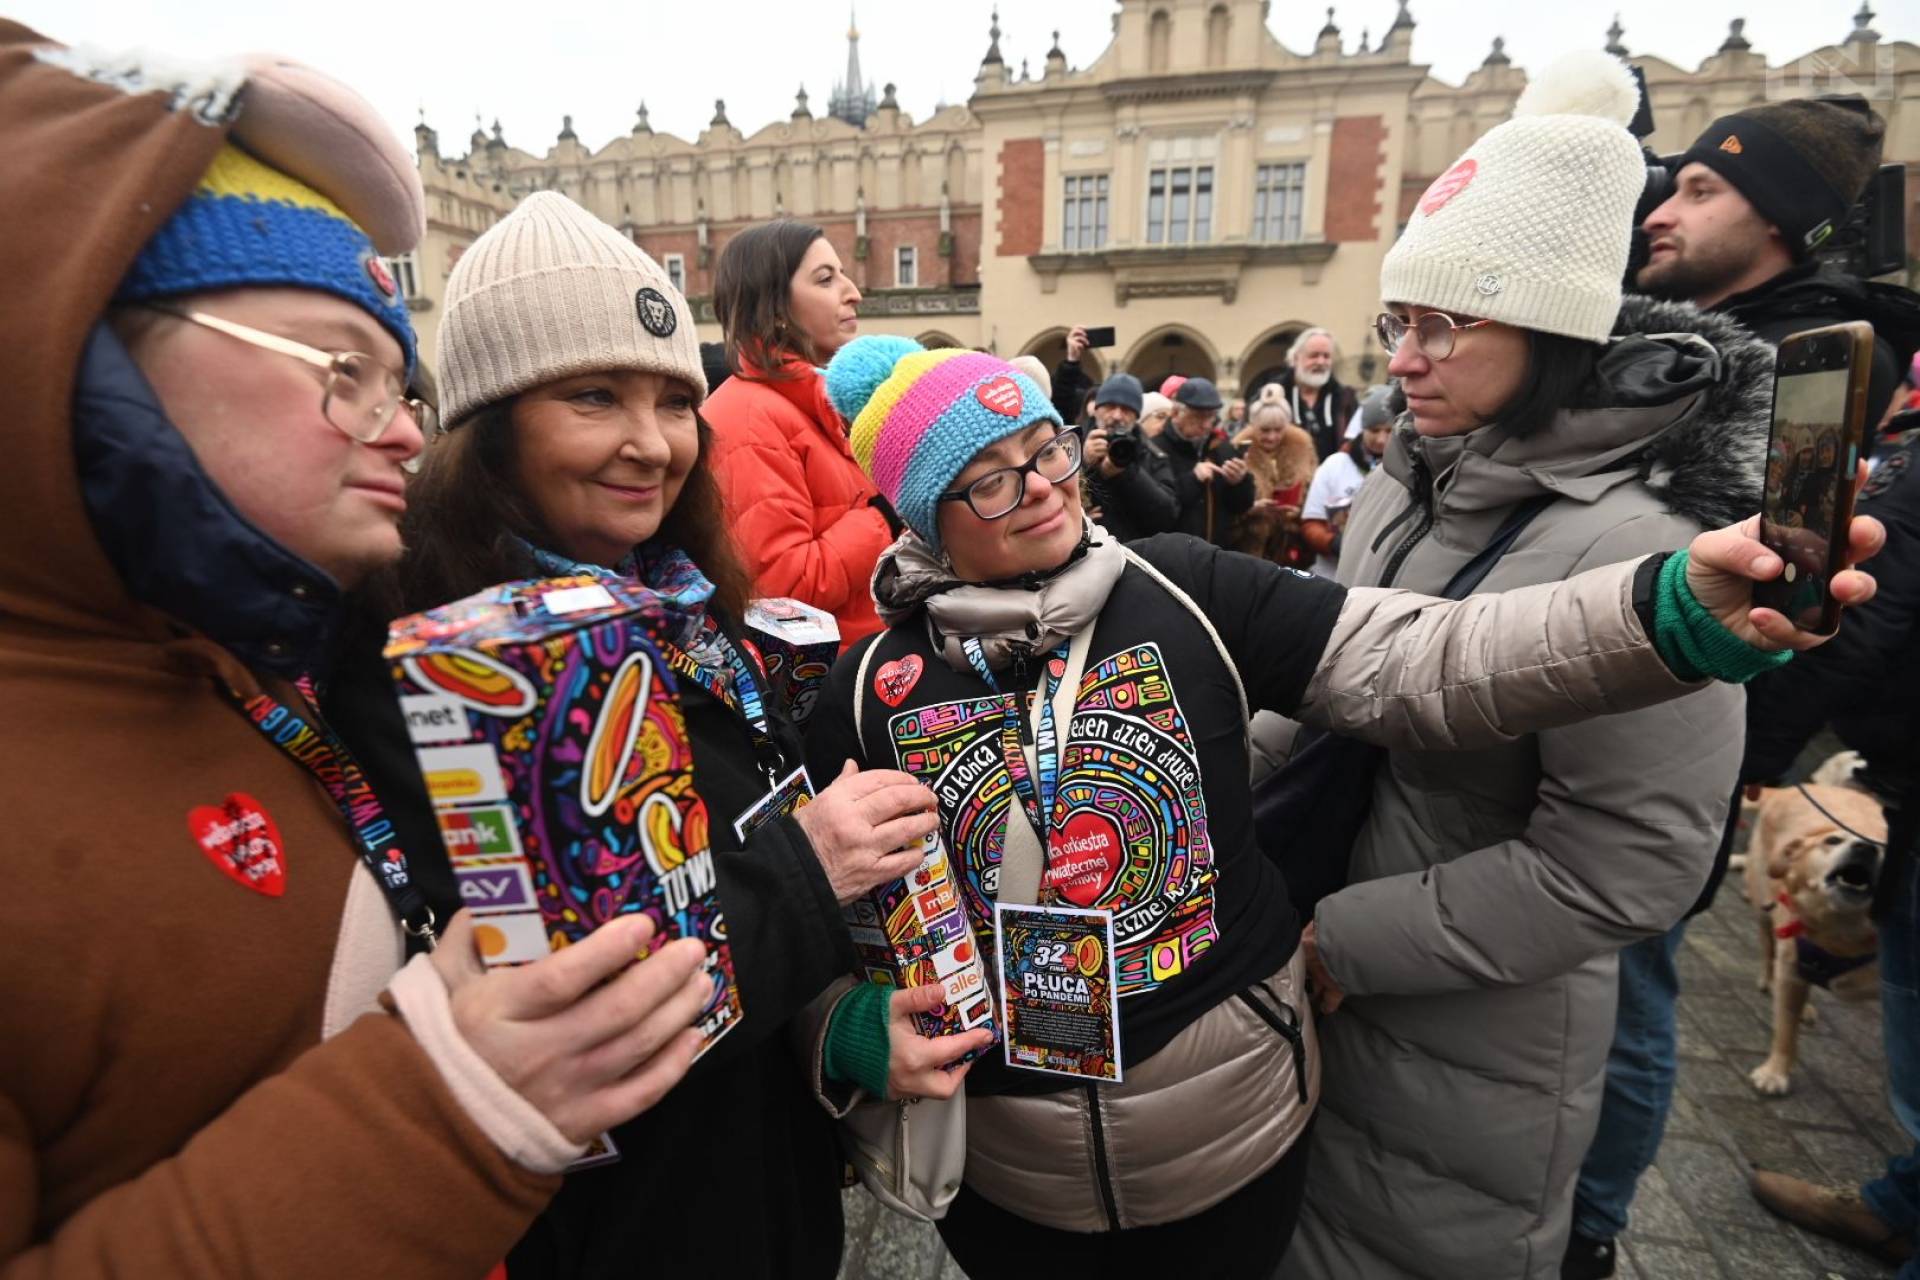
x=1681, y=404
x=1713, y=470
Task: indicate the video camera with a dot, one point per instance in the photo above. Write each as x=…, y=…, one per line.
x=1870, y=241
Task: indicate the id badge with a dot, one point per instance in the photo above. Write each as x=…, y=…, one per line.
x=789, y=794
x=1058, y=991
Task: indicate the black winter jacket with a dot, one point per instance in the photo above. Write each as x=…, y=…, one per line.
x=1071, y=387
x=737, y=1171
x=1140, y=501
x=1206, y=509
x=1811, y=295
x=1158, y=734
x=1326, y=421
x=1866, y=680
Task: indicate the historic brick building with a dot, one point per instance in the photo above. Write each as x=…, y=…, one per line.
x=1199, y=186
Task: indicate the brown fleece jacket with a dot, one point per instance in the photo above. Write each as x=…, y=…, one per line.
x=167, y=1107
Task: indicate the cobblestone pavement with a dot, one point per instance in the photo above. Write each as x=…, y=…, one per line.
x=1693, y=1219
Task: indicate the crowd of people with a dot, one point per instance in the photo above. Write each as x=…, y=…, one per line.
x=1513, y=585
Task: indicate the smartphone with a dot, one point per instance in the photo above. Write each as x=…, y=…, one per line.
x=1100, y=335
x=1819, y=424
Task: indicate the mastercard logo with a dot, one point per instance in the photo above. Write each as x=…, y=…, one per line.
x=615, y=732
x=660, y=833
x=475, y=681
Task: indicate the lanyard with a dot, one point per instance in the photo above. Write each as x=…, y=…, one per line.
x=738, y=691
x=1046, y=747
x=318, y=750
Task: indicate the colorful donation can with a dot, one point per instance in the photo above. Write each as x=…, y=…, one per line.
x=797, y=645
x=546, y=723
x=915, y=931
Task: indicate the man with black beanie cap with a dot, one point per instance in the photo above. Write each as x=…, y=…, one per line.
x=1754, y=196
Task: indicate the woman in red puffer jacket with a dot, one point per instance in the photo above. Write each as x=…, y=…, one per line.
x=809, y=522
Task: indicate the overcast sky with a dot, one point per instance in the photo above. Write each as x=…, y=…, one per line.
x=530, y=63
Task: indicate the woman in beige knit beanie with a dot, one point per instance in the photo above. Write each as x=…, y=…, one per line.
x=1472, y=954
x=573, y=384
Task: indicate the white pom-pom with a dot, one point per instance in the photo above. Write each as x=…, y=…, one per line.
x=1586, y=82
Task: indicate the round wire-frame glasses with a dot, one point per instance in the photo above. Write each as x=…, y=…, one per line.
x=360, y=396
x=1433, y=332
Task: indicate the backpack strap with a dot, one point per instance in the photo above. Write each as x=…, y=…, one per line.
x=860, y=695
x=1219, y=645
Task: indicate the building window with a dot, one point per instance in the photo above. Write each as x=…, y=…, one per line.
x=1279, y=198
x=406, y=276
x=1180, y=204
x=676, y=265
x=1084, y=225
x=906, y=267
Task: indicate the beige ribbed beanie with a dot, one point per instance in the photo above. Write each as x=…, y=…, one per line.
x=549, y=292
x=1532, y=226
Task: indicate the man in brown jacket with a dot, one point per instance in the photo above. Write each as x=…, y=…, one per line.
x=202, y=363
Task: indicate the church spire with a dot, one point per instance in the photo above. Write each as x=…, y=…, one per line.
x=852, y=98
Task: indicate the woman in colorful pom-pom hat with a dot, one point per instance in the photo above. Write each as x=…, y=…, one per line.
x=1128, y=793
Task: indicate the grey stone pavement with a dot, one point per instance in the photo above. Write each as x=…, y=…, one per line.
x=1693, y=1218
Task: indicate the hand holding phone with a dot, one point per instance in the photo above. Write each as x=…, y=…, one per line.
x=1813, y=456
x=1100, y=335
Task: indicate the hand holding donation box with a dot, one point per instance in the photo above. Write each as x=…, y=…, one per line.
x=914, y=932
x=547, y=724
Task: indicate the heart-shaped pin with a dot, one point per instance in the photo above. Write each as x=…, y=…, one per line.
x=1001, y=394
x=1083, y=858
x=239, y=837
x=894, y=681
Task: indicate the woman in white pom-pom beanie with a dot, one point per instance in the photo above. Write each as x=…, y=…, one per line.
x=1489, y=892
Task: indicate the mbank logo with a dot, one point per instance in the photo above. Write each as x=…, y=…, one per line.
x=478, y=833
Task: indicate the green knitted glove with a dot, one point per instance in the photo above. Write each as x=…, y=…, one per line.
x=1692, y=641
x=857, y=1038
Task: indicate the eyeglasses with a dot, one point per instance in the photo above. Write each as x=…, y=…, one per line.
x=1433, y=332
x=361, y=395
x=998, y=494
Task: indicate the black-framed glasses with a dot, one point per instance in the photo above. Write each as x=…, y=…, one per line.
x=361, y=395
x=1434, y=332
x=998, y=494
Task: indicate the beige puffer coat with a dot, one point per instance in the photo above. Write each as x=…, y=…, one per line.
x=1491, y=890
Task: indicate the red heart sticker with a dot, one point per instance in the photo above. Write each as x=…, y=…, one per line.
x=1002, y=395
x=1447, y=186
x=239, y=838
x=1084, y=857
x=895, y=681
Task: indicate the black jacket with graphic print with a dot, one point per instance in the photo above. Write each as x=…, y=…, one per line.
x=1154, y=772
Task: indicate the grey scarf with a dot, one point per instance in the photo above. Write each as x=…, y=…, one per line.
x=1036, y=618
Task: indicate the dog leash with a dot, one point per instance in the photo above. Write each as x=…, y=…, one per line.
x=1801, y=787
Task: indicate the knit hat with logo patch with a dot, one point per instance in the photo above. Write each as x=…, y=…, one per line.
x=552, y=292
x=918, y=417
x=1800, y=164
x=1533, y=224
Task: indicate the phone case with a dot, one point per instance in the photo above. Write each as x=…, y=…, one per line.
x=1813, y=451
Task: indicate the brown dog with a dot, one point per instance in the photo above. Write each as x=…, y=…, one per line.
x=1810, y=876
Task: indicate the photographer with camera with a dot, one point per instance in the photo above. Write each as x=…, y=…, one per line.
x=1210, y=479
x=1128, y=479
x=1753, y=198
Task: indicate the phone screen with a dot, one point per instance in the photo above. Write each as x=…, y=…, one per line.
x=1100, y=335
x=1810, y=461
